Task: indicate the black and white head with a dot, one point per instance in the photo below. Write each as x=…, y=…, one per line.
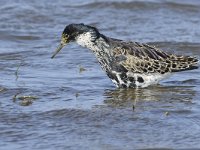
x=84, y=35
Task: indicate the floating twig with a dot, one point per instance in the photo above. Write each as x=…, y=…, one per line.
x=16, y=72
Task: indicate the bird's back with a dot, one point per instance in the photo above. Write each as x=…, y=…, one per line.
x=139, y=65
x=143, y=58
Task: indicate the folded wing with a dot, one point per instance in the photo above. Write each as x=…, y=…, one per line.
x=143, y=58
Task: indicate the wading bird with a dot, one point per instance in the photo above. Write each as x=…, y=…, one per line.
x=127, y=64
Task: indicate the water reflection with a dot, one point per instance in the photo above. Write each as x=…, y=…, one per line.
x=160, y=94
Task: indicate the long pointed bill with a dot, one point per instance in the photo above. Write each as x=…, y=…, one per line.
x=57, y=50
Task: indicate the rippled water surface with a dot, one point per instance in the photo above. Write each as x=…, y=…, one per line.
x=70, y=103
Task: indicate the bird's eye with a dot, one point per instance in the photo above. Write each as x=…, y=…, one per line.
x=65, y=38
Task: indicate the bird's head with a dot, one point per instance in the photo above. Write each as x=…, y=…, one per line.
x=77, y=32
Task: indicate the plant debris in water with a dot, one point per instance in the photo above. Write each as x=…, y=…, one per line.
x=133, y=107
x=77, y=94
x=2, y=89
x=166, y=113
x=27, y=97
x=81, y=69
x=25, y=100
x=17, y=71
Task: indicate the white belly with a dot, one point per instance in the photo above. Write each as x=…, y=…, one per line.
x=145, y=79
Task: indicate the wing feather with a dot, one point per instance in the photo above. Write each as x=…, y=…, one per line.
x=143, y=58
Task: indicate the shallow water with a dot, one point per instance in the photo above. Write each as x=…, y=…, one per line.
x=83, y=110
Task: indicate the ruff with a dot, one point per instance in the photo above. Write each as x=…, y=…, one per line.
x=127, y=64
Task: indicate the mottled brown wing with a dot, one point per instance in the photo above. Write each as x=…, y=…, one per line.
x=143, y=58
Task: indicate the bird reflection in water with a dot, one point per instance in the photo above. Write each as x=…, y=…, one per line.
x=146, y=97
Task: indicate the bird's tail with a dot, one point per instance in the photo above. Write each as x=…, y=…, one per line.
x=182, y=63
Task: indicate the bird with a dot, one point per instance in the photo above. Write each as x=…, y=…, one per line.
x=128, y=64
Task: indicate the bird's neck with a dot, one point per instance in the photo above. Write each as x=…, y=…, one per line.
x=99, y=46
x=85, y=40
